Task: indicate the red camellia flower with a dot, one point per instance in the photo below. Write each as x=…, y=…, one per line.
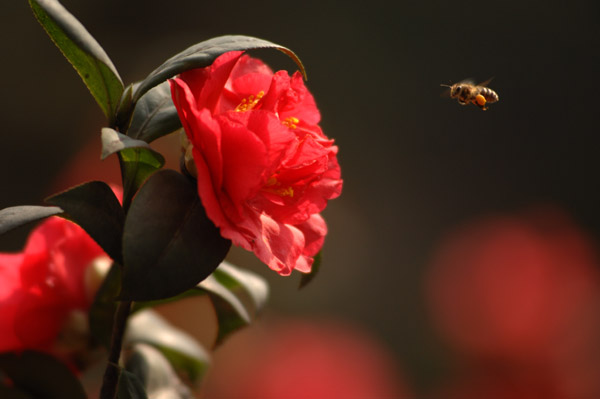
x=42, y=286
x=265, y=169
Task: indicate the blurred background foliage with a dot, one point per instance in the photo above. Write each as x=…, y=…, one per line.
x=416, y=165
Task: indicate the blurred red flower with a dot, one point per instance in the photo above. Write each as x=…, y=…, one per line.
x=42, y=286
x=520, y=294
x=509, y=286
x=265, y=169
x=498, y=384
x=299, y=359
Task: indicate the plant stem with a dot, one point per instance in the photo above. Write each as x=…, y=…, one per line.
x=111, y=374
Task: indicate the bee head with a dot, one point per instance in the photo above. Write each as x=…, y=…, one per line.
x=455, y=90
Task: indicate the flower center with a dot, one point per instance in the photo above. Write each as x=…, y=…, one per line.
x=291, y=122
x=248, y=103
x=274, y=186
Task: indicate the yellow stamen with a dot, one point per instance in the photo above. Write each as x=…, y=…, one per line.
x=248, y=103
x=291, y=122
x=272, y=181
x=286, y=192
x=274, y=186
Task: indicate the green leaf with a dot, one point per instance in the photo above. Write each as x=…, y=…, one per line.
x=231, y=313
x=308, y=277
x=123, y=113
x=102, y=311
x=95, y=208
x=16, y=216
x=183, y=352
x=154, y=115
x=241, y=282
x=203, y=54
x=137, y=164
x=130, y=387
x=237, y=295
x=169, y=245
x=40, y=375
x=113, y=141
x=155, y=373
x=83, y=52
x=254, y=298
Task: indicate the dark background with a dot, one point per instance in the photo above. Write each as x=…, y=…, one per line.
x=415, y=164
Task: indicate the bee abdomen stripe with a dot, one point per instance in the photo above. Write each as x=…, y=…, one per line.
x=489, y=94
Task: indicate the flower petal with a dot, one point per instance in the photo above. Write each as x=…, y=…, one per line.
x=208, y=83
x=11, y=294
x=202, y=130
x=39, y=318
x=279, y=245
x=314, y=230
x=288, y=97
x=246, y=156
x=277, y=138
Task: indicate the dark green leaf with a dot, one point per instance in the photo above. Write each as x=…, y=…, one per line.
x=130, y=387
x=40, y=375
x=102, y=311
x=308, y=277
x=83, y=52
x=113, y=141
x=154, y=115
x=137, y=164
x=196, y=291
x=169, y=245
x=182, y=351
x=123, y=114
x=255, y=286
x=17, y=216
x=97, y=210
x=203, y=54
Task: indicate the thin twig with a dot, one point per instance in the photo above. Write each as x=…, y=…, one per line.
x=111, y=374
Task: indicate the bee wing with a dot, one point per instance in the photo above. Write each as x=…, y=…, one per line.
x=468, y=81
x=486, y=82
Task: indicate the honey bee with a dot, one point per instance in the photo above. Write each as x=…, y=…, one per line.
x=467, y=92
